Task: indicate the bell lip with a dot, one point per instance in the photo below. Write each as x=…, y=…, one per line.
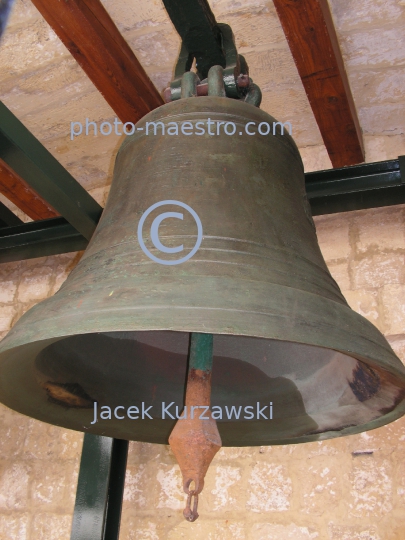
x=128, y=325
x=397, y=370
x=369, y=344
x=385, y=419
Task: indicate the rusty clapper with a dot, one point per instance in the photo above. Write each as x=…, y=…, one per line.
x=258, y=291
x=194, y=440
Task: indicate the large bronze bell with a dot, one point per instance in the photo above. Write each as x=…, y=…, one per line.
x=117, y=332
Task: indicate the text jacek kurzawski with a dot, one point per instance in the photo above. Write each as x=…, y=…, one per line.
x=172, y=411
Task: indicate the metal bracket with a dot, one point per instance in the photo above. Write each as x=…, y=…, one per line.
x=210, y=44
x=200, y=34
x=235, y=65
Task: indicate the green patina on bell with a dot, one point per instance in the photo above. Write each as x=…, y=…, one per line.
x=117, y=332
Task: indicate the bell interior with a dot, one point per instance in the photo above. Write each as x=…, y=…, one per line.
x=304, y=392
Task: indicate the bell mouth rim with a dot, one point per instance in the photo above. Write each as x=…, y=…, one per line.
x=125, y=323
x=373, y=363
x=385, y=418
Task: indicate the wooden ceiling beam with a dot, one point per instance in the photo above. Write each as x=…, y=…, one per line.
x=87, y=30
x=22, y=195
x=311, y=35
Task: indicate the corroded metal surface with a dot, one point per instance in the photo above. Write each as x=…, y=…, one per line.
x=195, y=438
x=283, y=333
x=195, y=441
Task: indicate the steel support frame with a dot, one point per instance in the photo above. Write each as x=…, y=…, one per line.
x=100, y=489
x=7, y=217
x=370, y=185
x=23, y=153
x=39, y=239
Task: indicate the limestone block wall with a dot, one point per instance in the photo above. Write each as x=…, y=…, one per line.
x=351, y=488
x=39, y=463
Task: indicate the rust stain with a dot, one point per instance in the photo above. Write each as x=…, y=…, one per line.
x=399, y=396
x=195, y=441
x=365, y=383
x=69, y=395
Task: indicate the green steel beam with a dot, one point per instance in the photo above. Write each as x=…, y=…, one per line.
x=7, y=218
x=370, y=185
x=100, y=488
x=401, y=162
x=39, y=239
x=32, y=161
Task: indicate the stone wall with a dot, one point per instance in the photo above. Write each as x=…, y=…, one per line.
x=351, y=488
x=39, y=463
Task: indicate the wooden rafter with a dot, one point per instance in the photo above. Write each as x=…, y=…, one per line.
x=22, y=195
x=311, y=35
x=87, y=30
